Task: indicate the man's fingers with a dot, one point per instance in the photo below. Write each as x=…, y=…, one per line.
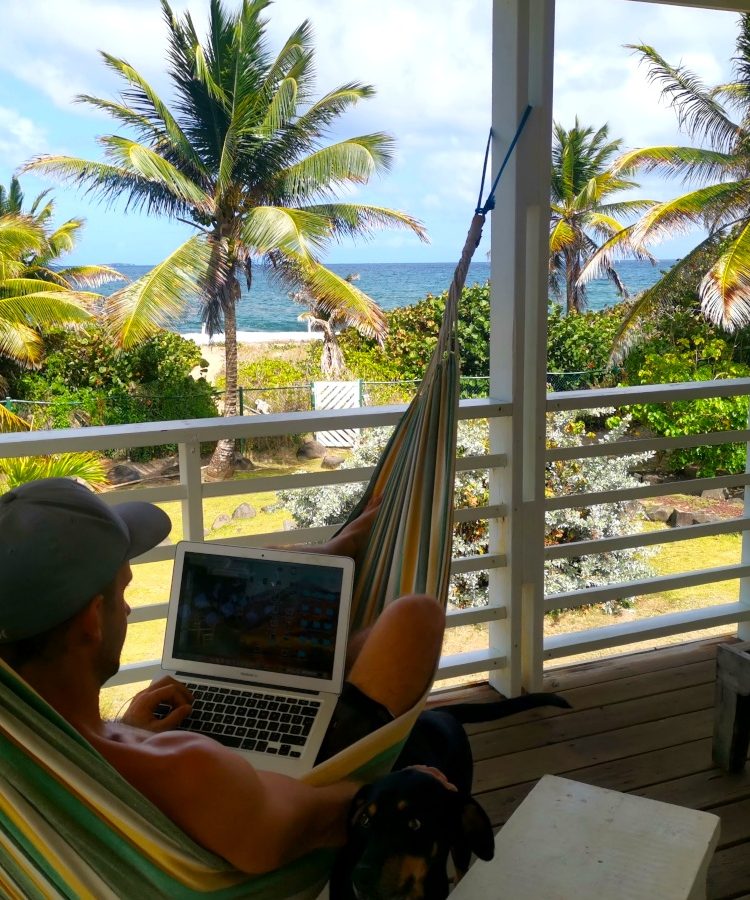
x=175, y=717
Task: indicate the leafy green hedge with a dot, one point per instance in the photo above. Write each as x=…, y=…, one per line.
x=87, y=380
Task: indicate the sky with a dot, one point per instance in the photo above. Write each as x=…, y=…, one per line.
x=432, y=74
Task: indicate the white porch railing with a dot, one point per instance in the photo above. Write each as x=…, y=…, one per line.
x=685, y=621
x=191, y=492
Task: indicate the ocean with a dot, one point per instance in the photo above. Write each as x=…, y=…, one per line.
x=268, y=307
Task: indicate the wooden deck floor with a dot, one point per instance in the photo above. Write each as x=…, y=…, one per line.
x=642, y=724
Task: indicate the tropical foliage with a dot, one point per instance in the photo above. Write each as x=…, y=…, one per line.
x=87, y=380
x=412, y=333
x=35, y=293
x=720, y=165
x=84, y=466
x=244, y=159
x=584, y=215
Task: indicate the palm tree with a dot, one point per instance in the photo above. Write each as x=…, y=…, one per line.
x=244, y=160
x=582, y=213
x=331, y=358
x=720, y=264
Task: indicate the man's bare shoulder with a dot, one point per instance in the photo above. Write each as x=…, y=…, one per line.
x=168, y=762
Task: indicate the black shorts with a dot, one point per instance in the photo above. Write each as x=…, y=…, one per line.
x=356, y=715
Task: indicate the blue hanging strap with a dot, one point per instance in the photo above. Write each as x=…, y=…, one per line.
x=489, y=203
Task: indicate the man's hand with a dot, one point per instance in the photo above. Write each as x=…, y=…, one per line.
x=167, y=691
x=436, y=773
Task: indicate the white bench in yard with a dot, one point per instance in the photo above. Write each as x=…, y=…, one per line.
x=571, y=841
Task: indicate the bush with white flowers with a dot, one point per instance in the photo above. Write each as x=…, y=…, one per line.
x=331, y=504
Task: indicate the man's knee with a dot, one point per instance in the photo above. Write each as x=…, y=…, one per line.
x=420, y=613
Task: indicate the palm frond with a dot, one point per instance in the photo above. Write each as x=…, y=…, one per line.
x=354, y=160
x=110, y=183
x=561, y=235
x=90, y=276
x=352, y=219
x=21, y=343
x=699, y=207
x=46, y=308
x=335, y=296
x=329, y=107
x=87, y=466
x=292, y=231
x=145, y=163
x=725, y=289
x=681, y=162
x=620, y=245
x=154, y=301
x=697, y=111
x=144, y=100
x=659, y=294
x=10, y=422
x=19, y=235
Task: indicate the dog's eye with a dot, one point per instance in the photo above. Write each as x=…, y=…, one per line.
x=415, y=824
x=364, y=821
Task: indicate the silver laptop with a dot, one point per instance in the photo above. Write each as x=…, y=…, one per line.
x=259, y=636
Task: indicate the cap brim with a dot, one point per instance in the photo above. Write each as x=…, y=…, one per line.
x=147, y=525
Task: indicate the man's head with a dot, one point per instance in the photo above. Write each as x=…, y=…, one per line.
x=61, y=545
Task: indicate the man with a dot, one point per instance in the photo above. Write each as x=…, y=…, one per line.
x=65, y=564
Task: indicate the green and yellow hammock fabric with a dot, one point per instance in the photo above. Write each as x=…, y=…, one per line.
x=71, y=827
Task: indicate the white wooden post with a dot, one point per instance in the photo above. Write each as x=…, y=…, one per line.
x=523, y=42
x=189, y=456
x=743, y=628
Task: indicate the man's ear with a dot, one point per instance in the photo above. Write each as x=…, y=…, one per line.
x=89, y=619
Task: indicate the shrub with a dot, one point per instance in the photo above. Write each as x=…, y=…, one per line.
x=87, y=380
x=695, y=357
x=412, y=333
x=332, y=504
x=580, y=344
x=569, y=477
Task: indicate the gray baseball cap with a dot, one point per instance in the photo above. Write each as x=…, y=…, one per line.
x=60, y=545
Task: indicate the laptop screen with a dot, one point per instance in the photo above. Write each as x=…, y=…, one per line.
x=265, y=615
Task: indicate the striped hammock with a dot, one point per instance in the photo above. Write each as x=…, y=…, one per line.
x=72, y=827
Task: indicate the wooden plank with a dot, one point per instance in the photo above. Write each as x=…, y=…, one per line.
x=706, y=789
x=613, y=668
x=634, y=774
x=599, y=720
x=735, y=822
x=729, y=873
x=577, y=754
x=596, y=696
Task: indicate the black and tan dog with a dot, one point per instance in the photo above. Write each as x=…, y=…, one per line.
x=403, y=827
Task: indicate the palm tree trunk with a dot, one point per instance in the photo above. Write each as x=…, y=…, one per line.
x=221, y=465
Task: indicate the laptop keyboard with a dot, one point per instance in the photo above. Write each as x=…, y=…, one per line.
x=250, y=720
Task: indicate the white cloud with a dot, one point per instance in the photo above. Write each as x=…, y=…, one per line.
x=19, y=137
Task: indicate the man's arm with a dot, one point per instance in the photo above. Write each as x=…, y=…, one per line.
x=258, y=821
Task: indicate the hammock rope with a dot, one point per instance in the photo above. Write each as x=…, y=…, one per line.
x=72, y=827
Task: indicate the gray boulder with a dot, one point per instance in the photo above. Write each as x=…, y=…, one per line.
x=311, y=450
x=331, y=461
x=122, y=473
x=244, y=511
x=221, y=521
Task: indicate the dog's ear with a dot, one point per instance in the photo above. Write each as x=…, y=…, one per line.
x=476, y=829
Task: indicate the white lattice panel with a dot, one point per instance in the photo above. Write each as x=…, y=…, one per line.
x=337, y=395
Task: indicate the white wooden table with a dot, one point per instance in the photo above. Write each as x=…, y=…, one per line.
x=571, y=841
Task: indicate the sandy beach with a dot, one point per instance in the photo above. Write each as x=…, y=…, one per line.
x=213, y=348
